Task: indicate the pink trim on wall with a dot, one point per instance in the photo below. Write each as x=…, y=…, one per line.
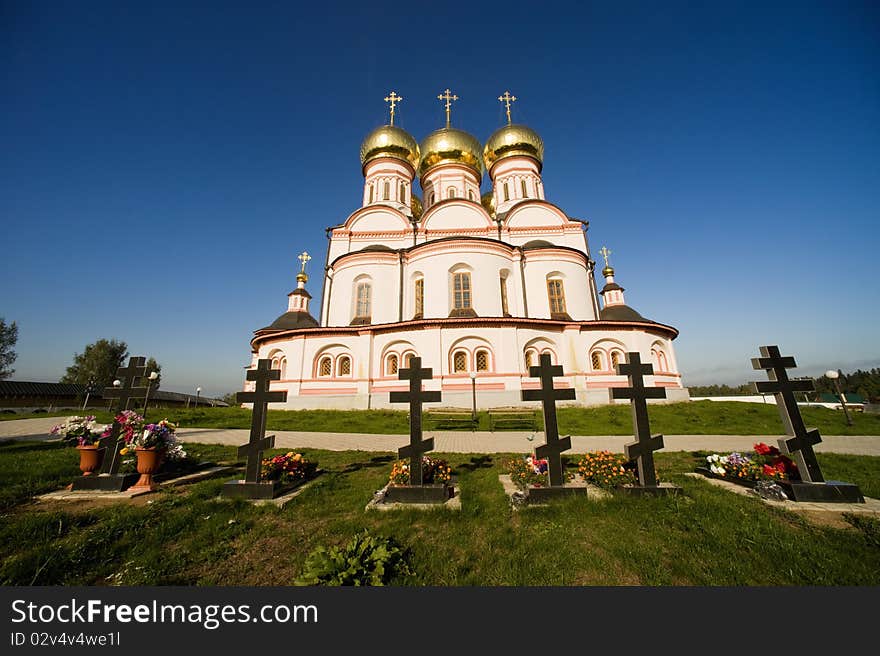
x=338, y=391
x=466, y=387
x=556, y=385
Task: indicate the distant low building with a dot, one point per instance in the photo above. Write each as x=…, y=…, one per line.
x=23, y=396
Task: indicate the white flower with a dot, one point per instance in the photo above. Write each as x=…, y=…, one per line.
x=715, y=469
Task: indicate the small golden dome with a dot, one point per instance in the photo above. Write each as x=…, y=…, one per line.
x=415, y=205
x=607, y=271
x=390, y=141
x=513, y=140
x=302, y=277
x=448, y=145
x=487, y=200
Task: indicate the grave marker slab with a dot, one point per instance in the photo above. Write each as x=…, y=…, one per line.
x=252, y=487
x=642, y=451
x=799, y=445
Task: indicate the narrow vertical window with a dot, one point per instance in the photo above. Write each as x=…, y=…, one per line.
x=461, y=291
x=386, y=191
x=470, y=194
x=344, y=366
x=451, y=193
x=283, y=368
x=371, y=194
x=432, y=198
x=326, y=367
x=391, y=365
x=530, y=359
x=403, y=193
x=459, y=362
x=596, y=361
x=482, y=361
x=615, y=358
x=557, y=296
x=504, y=309
x=407, y=359
x=362, y=309
x=506, y=192
x=525, y=192
x=419, y=298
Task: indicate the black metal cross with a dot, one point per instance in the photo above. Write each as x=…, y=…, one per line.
x=415, y=397
x=800, y=444
x=261, y=397
x=137, y=367
x=641, y=451
x=548, y=396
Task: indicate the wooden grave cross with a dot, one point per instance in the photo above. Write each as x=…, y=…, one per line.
x=136, y=370
x=415, y=397
x=548, y=396
x=642, y=451
x=261, y=397
x=800, y=444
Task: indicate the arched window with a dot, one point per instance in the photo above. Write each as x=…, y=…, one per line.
x=386, y=191
x=363, y=306
x=450, y=193
x=459, y=362
x=407, y=360
x=525, y=191
x=432, y=199
x=419, y=298
x=403, y=193
x=506, y=192
x=531, y=358
x=659, y=358
x=615, y=358
x=371, y=194
x=391, y=365
x=461, y=290
x=343, y=366
x=325, y=367
x=505, y=311
x=283, y=367
x=551, y=354
x=596, y=360
x=482, y=360
x=557, y=296
x=470, y=194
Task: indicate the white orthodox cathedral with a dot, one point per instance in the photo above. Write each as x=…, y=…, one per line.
x=478, y=286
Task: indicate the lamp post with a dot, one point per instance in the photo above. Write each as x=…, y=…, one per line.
x=89, y=387
x=153, y=376
x=116, y=383
x=198, y=391
x=474, y=395
x=833, y=375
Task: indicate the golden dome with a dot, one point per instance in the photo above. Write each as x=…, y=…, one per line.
x=487, y=200
x=448, y=145
x=607, y=271
x=513, y=140
x=415, y=205
x=390, y=141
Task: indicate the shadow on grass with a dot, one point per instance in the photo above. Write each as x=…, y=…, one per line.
x=377, y=461
x=477, y=462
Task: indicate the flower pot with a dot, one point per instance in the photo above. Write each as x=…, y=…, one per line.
x=149, y=461
x=89, y=459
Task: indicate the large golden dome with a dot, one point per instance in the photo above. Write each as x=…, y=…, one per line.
x=448, y=145
x=390, y=141
x=513, y=140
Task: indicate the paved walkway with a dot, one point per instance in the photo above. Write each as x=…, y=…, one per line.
x=465, y=441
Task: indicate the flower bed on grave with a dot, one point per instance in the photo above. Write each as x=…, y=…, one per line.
x=435, y=488
x=607, y=470
x=530, y=472
x=763, y=463
x=288, y=470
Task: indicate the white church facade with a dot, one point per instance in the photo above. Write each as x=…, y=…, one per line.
x=478, y=286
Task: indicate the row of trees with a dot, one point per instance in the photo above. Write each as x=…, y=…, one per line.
x=8, y=338
x=865, y=383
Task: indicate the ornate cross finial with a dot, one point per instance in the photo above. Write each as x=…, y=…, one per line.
x=507, y=99
x=393, y=99
x=448, y=97
x=605, y=253
x=304, y=257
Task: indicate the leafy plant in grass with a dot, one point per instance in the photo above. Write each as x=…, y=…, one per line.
x=606, y=470
x=366, y=560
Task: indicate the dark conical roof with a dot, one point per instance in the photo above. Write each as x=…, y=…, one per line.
x=292, y=321
x=621, y=313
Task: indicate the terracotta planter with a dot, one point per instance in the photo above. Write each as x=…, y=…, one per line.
x=148, y=463
x=89, y=459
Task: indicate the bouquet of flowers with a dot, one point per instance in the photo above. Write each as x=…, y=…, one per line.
x=159, y=435
x=80, y=431
x=530, y=471
x=288, y=468
x=765, y=463
x=606, y=470
x=434, y=470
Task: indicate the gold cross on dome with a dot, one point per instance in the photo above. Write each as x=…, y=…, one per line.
x=393, y=99
x=507, y=99
x=304, y=258
x=605, y=253
x=448, y=97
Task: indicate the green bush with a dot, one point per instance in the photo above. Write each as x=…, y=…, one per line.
x=365, y=560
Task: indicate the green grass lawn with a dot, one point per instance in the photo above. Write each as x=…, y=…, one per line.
x=188, y=536
x=691, y=418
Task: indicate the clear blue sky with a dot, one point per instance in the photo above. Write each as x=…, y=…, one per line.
x=164, y=163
